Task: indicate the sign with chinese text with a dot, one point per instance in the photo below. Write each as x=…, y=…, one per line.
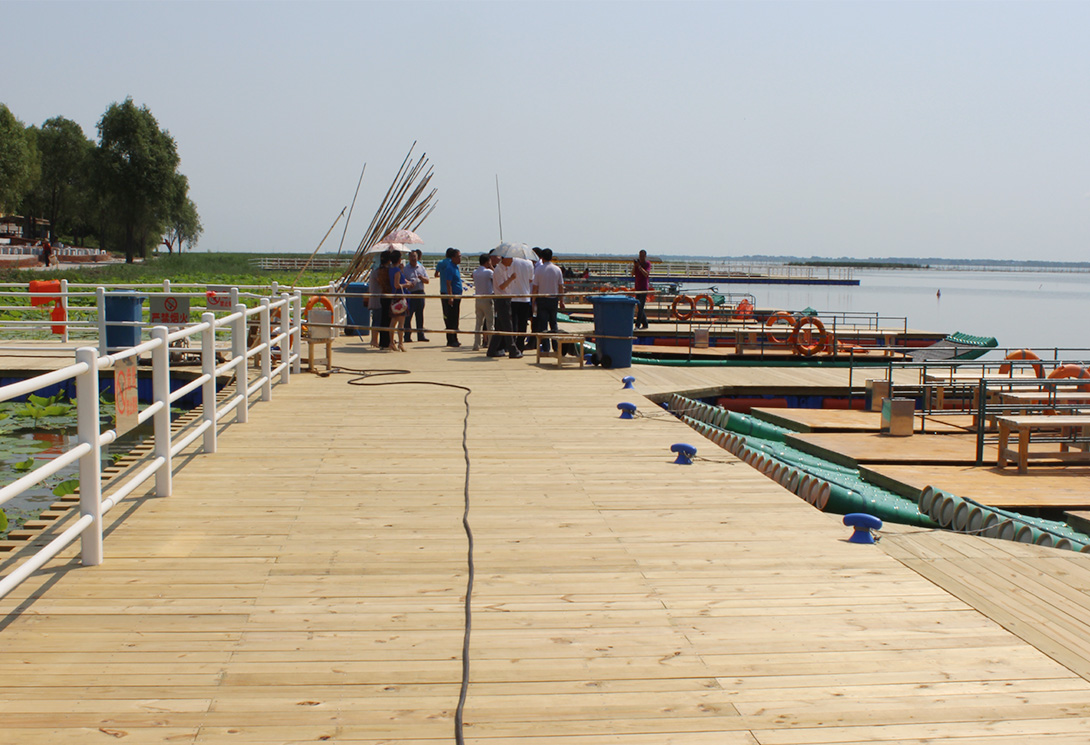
x=169, y=310
x=126, y=401
x=219, y=298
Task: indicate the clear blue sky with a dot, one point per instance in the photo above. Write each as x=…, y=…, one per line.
x=813, y=128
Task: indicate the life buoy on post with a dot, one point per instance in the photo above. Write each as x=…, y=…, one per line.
x=804, y=340
x=1023, y=354
x=310, y=304
x=1071, y=370
x=776, y=318
x=708, y=302
x=319, y=299
x=682, y=315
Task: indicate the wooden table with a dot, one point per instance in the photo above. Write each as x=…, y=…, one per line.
x=1070, y=430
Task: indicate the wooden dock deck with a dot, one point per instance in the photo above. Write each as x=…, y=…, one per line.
x=306, y=584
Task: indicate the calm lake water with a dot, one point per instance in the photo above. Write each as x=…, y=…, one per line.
x=1036, y=310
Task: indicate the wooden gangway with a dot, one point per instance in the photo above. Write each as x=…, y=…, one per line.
x=306, y=583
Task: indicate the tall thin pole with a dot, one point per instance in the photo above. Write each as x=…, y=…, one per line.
x=499, y=212
x=349, y=218
x=300, y=274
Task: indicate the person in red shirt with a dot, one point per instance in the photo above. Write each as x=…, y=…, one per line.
x=641, y=270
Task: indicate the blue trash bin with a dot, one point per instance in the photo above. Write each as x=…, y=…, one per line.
x=127, y=308
x=613, y=316
x=355, y=308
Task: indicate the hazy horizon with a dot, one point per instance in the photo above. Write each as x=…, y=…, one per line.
x=816, y=129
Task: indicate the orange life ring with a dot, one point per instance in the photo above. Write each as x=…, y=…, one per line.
x=812, y=345
x=682, y=315
x=310, y=304
x=318, y=299
x=774, y=319
x=697, y=312
x=1023, y=354
x=1071, y=370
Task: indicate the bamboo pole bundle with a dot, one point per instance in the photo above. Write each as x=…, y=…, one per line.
x=407, y=204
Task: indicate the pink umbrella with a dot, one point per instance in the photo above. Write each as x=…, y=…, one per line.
x=402, y=235
x=383, y=246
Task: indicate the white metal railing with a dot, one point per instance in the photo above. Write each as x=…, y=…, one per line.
x=295, y=263
x=76, y=312
x=697, y=271
x=90, y=439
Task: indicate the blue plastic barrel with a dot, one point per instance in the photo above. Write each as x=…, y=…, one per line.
x=613, y=316
x=355, y=308
x=127, y=308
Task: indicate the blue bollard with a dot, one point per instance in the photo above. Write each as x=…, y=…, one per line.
x=627, y=410
x=863, y=524
x=628, y=380
x=684, y=452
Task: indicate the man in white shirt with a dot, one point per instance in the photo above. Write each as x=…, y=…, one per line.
x=509, y=278
x=418, y=276
x=482, y=285
x=521, y=306
x=548, y=282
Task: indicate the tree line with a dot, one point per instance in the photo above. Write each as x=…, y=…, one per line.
x=123, y=193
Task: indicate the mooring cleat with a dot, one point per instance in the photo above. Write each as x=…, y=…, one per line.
x=685, y=453
x=863, y=524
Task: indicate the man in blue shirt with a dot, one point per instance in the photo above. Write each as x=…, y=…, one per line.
x=450, y=286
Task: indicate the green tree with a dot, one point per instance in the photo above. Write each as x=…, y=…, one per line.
x=17, y=161
x=135, y=171
x=184, y=224
x=65, y=159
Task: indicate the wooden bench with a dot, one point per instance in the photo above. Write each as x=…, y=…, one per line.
x=1066, y=430
x=561, y=339
x=1044, y=399
x=941, y=381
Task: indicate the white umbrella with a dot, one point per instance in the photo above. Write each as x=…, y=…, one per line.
x=403, y=236
x=514, y=250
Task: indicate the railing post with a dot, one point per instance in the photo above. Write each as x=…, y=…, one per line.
x=242, y=369
x=285, y=344
x=297, y=332
x=166, y=286
x=266, y=353
x=208, y=389
x=64, y=307
x=100, y=301
x=981, y=419
x=160, y=391
x=90, y=464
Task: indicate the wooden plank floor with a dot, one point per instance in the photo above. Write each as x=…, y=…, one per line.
x=306, y=583
x=851, y=420
x=853, y=448
x=698, y=382
x=1064, y=487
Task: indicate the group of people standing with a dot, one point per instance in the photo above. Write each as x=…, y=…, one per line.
x=512, y=295
x=524, y=294
x=396, y=298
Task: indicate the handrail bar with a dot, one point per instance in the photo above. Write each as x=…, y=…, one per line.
x=28, y=386
x=43, y=472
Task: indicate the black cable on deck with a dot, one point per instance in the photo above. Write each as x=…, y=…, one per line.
x=464, y=689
